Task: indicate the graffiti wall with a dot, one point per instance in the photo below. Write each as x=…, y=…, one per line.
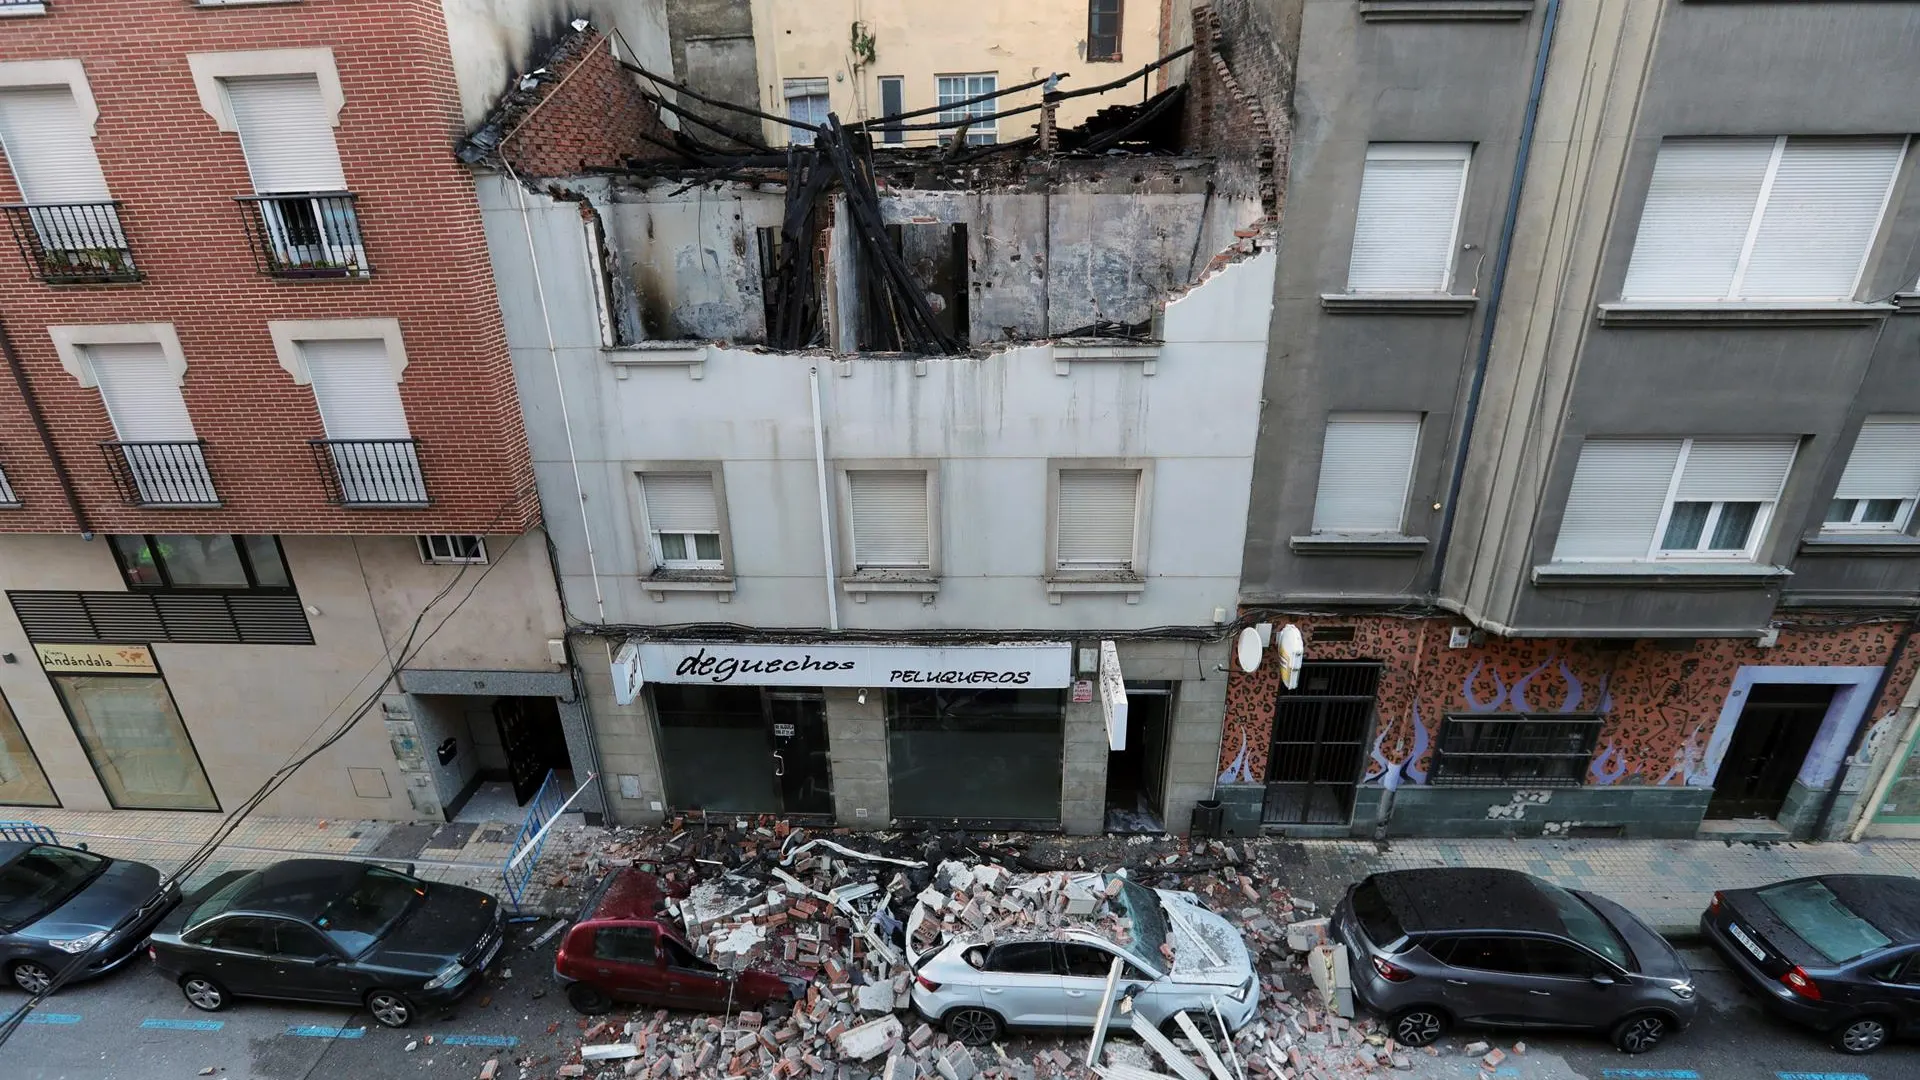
x=1661, y=700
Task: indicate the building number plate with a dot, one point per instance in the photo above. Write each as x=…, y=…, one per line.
x=783, y=731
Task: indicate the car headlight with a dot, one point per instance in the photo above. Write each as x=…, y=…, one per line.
x=444, y=976
x=80, y=944
x=1683, y=991
x=1239, y=993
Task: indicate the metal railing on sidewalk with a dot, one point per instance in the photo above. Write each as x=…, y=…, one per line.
x=26, y=832
x=543, y=810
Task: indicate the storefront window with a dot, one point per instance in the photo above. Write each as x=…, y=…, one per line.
x=138, y=745
x=22, y=783
x=975, y=754
x=714, y=748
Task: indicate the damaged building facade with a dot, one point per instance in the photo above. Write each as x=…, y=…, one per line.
x=889, y=487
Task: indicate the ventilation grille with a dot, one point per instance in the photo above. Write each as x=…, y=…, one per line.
x=143, y=618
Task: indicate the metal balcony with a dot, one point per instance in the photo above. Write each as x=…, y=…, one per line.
x=7, y=498
x=370, y=472
x=161, y=473
x=72, y=243
x=312, y=234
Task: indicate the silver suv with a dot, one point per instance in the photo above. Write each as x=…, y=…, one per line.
x=1498, y=948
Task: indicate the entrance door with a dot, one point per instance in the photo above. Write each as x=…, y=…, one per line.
x=800, y=759
x=1320, y=736
x=531, y=739
x=1770, y=743
x=1136, y=776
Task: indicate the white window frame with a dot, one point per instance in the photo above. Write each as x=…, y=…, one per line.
x=848, y=553
x=210, y=68
x=656, y=560
x=1142, y=518
x=445, y=548
x=1756, y=534
x=805, y=89
x=1410, y=151
x=689, y=542
x=1903, y=515
x=978, y=134
x=1854, y=525
x=1418, y=420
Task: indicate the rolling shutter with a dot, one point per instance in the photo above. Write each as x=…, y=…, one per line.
x=1737, y=470
x=1618, y=494
x=285, y=134
x=1364, y=471
x=353, y=385
x=680, y=502
x=1698, y=211
x=1820, y=219
x=48, y=147
x=1409, y=208
x=1885, y=463
x=890, y=520
x=1096, y=518
x=142, y=395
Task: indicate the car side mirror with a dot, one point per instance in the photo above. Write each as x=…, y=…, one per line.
x=1601, y=978
x=325, y=961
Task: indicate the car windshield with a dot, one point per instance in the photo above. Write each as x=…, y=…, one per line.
x=1149, y=922
x=1376, y=917
x=40, y=879
x=1811, y=910
x=223, y=898
x=379, y=900
x=1586, y=926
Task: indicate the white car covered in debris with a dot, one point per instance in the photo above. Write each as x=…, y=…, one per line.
x=991, y=951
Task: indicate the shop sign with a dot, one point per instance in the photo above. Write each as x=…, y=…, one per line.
x=98, y=659
x=1029, y=665
x=1113, y=696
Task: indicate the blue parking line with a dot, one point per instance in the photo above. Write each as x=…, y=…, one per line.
x=1649, y=1074
x=481, y=1040
x=182, y=1025
x=1821, y=1076
x=52, y=1018
x=316, y=1031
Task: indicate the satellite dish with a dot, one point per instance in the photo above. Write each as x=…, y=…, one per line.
x=1248, y=649
x=1293, y=653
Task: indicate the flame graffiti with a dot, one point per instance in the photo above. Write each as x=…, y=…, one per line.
x=1689, y=761
x=1238, y=772
x=1473, y=701
x=1514, y=698
x=1608, y=766
x=1389, y=773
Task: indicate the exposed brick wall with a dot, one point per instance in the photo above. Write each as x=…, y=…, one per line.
x=588, y=113
x=1239, y=96
x=176, y=174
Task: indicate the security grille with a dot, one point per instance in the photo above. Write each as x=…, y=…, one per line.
x=144, y=617
x=1320, y=735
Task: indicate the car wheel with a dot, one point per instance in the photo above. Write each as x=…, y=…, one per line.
x=1641, y=1032
x=1419, y=1025
x=587, y=998
x=203, y=993
x=31, y=976
x=1203, y=1022
x=390, y=1008
x=1862, y=1035
x=974, y=1027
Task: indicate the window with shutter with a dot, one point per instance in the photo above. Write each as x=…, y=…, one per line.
x=372, y=450
x=1098, y=514
x=1637, y=499
x=891, y=524
x=1408, y=218
x=1882, y=478
x=285, y=133
x=48, y=147
x=1365, y=467
x=158, y=460
x=1767, y=219
x=683, y=520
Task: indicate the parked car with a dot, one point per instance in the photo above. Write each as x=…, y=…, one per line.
x=976, y=988
x=333, y=931
x=1498, y=948
x=57, y=902
x=1839, y=953
x=624, y=947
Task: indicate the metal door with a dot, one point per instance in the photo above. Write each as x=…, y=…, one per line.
x=526, y=767
x=1770, y=743
x=801, y=764
x=1320, y=734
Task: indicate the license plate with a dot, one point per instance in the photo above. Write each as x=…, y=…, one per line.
x=491, y=953
x=1746, y=942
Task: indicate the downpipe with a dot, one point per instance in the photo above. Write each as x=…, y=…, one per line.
x=826, y=521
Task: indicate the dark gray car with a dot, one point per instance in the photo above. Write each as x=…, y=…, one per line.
x=58, y=902
x=1498, y=948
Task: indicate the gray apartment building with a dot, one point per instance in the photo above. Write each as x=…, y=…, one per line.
x=1591, y=438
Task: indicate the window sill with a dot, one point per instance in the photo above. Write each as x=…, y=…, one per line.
x=1659, y=575
x=691, y=355
x=15, y=10
x=861, y=585
x=1809, y=313
x=1104, y=350
x=1397, y=303
x=1861, y=544
x=237, y=3
x=661, y=582
x=1907, y=303
x=1334, y=543
x=1444, y=10
x=1122, y=582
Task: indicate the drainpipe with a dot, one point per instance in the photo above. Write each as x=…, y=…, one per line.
x=1832, y=796
x=826, y=522
x=1502, y=254
x=19, y=371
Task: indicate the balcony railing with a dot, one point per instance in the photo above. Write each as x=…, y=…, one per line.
x=72, y=243
x=307, y=235
x=370, y=472
x=7, y=498
x=161, y=473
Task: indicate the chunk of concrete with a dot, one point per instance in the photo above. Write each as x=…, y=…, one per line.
x=957, y=1063
x=609, y=1052
x=870, y=1039
x=874, y=997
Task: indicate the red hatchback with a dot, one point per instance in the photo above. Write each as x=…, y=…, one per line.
x=625, y=948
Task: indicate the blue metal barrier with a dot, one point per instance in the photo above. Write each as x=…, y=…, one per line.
x=524, y=857
x=26, y=832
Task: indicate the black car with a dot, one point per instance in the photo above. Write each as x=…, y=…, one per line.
x=58, y=902
x=1839, y=953
x=1498, y=948
x=327, y=930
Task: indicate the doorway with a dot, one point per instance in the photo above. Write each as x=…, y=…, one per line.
x=1136, y=776
x=1320, y=733
x=532, y=740
x=1770, y=741
x=745, y=749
